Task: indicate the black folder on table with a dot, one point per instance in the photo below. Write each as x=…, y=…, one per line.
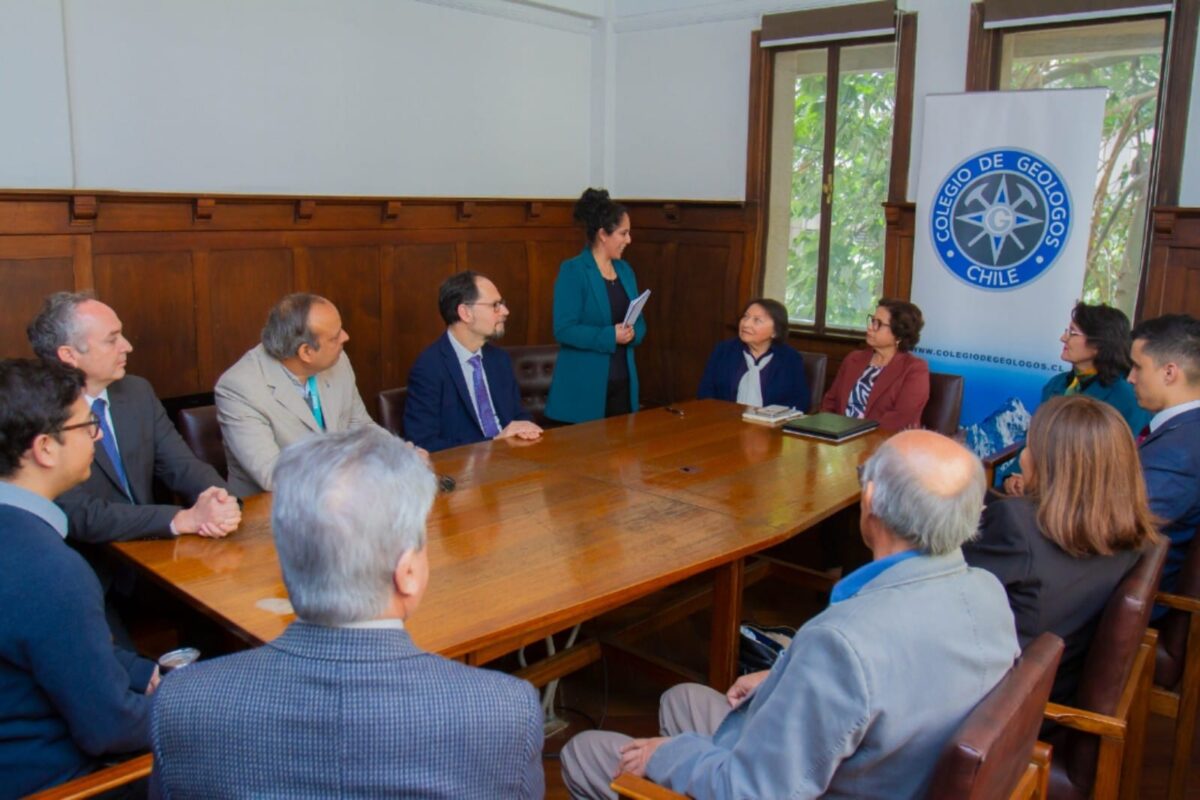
x=830, y=427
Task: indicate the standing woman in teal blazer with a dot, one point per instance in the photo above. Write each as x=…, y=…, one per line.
x=595, y=375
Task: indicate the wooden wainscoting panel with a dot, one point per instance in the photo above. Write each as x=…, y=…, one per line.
x=545, y=258
x=192, y=276
x=416, y=272
x=699, y=268
x=243, y=285
x=653, y=258
x=507, y=265
x=27, y=282
x=349, y=278
x=153, y=294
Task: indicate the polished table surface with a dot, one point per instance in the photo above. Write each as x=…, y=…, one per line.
x=540, y=535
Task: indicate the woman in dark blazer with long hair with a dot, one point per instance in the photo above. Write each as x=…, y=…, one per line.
x=1062, y=548
x=884, y=382
x=757, y=368
x=595, y=375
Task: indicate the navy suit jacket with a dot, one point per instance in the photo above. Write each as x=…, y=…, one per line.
x=1171, y=463
x=67, y=696
x=438, y=412
x=345, y=712
x=98, y=509
x=782, y=379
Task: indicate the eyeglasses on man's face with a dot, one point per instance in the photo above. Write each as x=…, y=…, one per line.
x=92, y=424
x=496, y=306
x=875, y=323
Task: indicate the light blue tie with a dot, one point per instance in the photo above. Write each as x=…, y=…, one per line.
x=314, y=400
x=110, y=445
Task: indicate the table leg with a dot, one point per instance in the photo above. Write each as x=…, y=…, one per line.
x=726, y=617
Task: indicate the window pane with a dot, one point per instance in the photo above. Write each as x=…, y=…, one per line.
x=1125, y=58
x=862, y=160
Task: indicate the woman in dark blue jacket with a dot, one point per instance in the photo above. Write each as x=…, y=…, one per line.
x=757, y=368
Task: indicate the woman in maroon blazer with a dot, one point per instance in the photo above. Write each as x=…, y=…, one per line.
x=884, y=382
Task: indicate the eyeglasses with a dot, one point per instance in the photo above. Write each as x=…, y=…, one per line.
x=1071, y=333
x=496, y=306
x=875, y=323
x=93, y=423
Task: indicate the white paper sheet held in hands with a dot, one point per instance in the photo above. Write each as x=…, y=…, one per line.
x=635, y=307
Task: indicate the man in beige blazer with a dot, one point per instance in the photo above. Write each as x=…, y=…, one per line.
x=297, y=382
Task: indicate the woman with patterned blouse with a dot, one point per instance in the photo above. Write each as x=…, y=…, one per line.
x=884, y=382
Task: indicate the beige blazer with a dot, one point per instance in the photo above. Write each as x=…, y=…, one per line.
x=261, y=412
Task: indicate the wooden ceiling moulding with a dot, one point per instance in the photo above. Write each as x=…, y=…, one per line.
x=84, y=208
x=391, y=210
x=305, y=210
x=533, y=211
x=671, y=212
x=466, y=210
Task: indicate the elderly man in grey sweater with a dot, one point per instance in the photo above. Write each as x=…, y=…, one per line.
x=870, y=690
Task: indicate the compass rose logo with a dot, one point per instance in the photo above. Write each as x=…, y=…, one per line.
x=1001, y=218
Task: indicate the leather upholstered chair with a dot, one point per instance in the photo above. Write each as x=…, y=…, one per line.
x=1176, y=692
x=534, y=367
x=815, y=365
x=391, y=409
x=1098, y=742
x=992, y=754
x=945, y=403
x=200, y=430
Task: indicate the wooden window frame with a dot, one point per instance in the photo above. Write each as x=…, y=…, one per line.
x=758, y=166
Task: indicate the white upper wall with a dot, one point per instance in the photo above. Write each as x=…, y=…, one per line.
x=477, y=98
x=358, y=97
x=35, y=138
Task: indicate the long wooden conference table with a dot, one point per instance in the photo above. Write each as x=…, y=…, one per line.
x=538, y=536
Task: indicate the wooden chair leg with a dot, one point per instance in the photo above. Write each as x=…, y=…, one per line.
x=1135, y=741
x=1185, y=717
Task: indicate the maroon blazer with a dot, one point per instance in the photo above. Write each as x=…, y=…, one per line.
x=898, y=397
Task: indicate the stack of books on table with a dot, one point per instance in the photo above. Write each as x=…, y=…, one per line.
x=770, y=415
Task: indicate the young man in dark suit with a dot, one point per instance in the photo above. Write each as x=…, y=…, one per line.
x=1166, y=380
x=140, y=444
x=67, y=696
x=461, y=389
x=343, y=703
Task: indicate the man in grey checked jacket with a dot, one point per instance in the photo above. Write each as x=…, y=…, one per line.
x=343, y=704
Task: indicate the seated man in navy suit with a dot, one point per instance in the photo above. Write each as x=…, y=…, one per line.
x=68, y=697
x=461, y=389
x=1166, y=380
x=343, y=704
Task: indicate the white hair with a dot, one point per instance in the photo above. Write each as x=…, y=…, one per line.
x=347, y=506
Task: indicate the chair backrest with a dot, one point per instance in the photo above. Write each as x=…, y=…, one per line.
x=534, y=367
x=391, y=409
x=945, y=403
x=1109, y=661
x=199, y=428
x=1173, y=627
x=815, y=365
x=988, y=754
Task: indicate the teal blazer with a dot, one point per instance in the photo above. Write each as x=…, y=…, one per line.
x=584, y=329
x=1118, y=394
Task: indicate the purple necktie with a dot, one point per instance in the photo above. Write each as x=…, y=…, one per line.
x=483, y=403
x=1141, y=437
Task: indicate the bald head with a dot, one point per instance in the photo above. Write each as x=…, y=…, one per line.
x=925, y=489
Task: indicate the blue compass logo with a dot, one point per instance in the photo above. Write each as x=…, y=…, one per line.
x=1001, y=218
